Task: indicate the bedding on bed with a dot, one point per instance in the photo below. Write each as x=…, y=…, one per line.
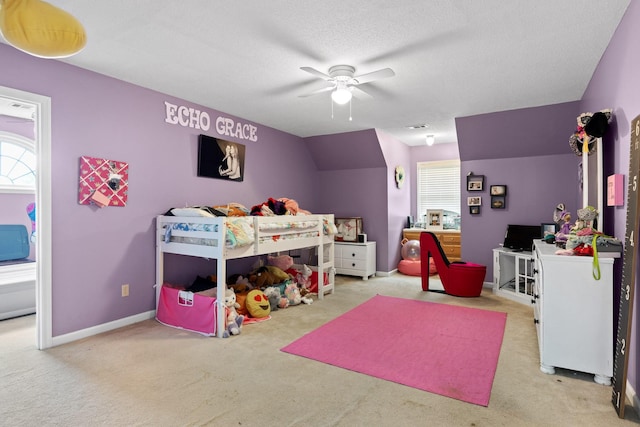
x=240, y=231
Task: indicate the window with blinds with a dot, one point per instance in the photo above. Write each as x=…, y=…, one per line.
x=438, y=187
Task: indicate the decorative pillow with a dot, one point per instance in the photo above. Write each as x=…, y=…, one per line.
x=191, y=212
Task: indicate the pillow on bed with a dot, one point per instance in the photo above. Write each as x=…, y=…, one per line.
x=191, y=212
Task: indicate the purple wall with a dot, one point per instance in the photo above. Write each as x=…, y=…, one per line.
x=353, y=182
x=545, y=173
x=95, y=251
x=526, y=132
x=535, y=185
x=615, y=85
x=398, y=200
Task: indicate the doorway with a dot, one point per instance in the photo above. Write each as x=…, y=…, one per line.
x=42, y=129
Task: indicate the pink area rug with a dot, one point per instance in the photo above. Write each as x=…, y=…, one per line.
x=449, y=350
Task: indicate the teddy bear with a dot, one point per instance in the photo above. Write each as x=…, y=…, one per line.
x=262, y=278
x=239, y=283
x=234, y=320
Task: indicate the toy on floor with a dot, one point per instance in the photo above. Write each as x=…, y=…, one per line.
x=276, y=300
x=411, y=264
x=234, y=320
x=292, y=293
x=257, y=304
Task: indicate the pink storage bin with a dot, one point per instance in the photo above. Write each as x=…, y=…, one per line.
x=186, y=310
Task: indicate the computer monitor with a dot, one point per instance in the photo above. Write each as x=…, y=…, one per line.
x=520, y=237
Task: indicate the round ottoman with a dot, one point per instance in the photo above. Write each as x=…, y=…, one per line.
x=412, y=267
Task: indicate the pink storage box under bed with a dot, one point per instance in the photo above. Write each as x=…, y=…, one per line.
x=187, y=310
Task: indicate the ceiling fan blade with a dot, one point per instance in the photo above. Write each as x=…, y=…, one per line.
x=316, y=73
x=375, y=75
x=315, y=92
x=360, y=93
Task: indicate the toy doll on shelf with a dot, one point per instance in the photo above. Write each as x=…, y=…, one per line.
x=564, y=220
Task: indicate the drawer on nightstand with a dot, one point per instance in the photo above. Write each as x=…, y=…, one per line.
x=351, y=252
x=351, y=264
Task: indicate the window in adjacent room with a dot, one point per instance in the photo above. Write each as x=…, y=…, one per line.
x=17, y=164
x=439, y=188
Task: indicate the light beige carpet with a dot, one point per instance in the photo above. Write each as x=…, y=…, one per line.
x=148, y=374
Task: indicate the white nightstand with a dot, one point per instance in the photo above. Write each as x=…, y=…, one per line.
x=355, y=259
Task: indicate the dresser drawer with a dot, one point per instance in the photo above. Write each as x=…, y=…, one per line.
x=451, y=251
x=352, y=252
x=449, y=239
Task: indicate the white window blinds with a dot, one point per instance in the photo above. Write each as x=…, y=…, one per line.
x=438, y=187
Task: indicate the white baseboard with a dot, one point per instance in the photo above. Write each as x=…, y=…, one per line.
x=386, y=273
x=105, y=327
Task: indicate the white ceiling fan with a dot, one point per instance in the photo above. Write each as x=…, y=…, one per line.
x=343, y=83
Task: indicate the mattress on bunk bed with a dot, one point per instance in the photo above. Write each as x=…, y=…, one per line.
x=187, y=310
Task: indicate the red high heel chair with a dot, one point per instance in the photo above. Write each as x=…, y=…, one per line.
x=460, y=279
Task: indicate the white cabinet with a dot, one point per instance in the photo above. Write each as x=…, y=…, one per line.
x=573, y=312
x=513, y=275
x=355, y=259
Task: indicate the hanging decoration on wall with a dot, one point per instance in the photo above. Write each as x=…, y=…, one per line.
x=103, y=182
x=41, y=29
x=399, y=175
x=220, y=159
x=586, y=140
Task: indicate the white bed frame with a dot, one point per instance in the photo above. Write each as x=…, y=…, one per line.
x=219, y=252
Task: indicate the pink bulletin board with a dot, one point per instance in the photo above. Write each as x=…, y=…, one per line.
x=109, y=178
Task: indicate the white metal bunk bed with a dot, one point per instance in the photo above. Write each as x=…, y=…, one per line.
x=211, y=238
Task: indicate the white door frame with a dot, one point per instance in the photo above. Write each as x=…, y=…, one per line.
x=42, y=138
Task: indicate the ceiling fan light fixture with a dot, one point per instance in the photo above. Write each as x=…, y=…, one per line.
x=431, y=139
x=341, y=95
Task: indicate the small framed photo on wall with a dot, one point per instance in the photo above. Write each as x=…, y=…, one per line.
x=498, y=190
x=474, y=210
x=474, y=201
x=475, y=182
x=498, y=202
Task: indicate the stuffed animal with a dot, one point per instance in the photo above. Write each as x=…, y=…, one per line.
x=283, y=262
x=273, y=294
x=239, y=284
x=292, y=293
x=304, y=277
x=262, y=278
x=257, y=304
x=279, y=274
x=234, y=320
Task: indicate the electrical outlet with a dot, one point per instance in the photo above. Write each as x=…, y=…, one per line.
x=125, y=290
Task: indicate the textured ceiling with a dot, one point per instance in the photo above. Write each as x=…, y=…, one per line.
x=451, y=59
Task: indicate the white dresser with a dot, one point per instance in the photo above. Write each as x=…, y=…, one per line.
x=573, y=312
x=355, y=259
